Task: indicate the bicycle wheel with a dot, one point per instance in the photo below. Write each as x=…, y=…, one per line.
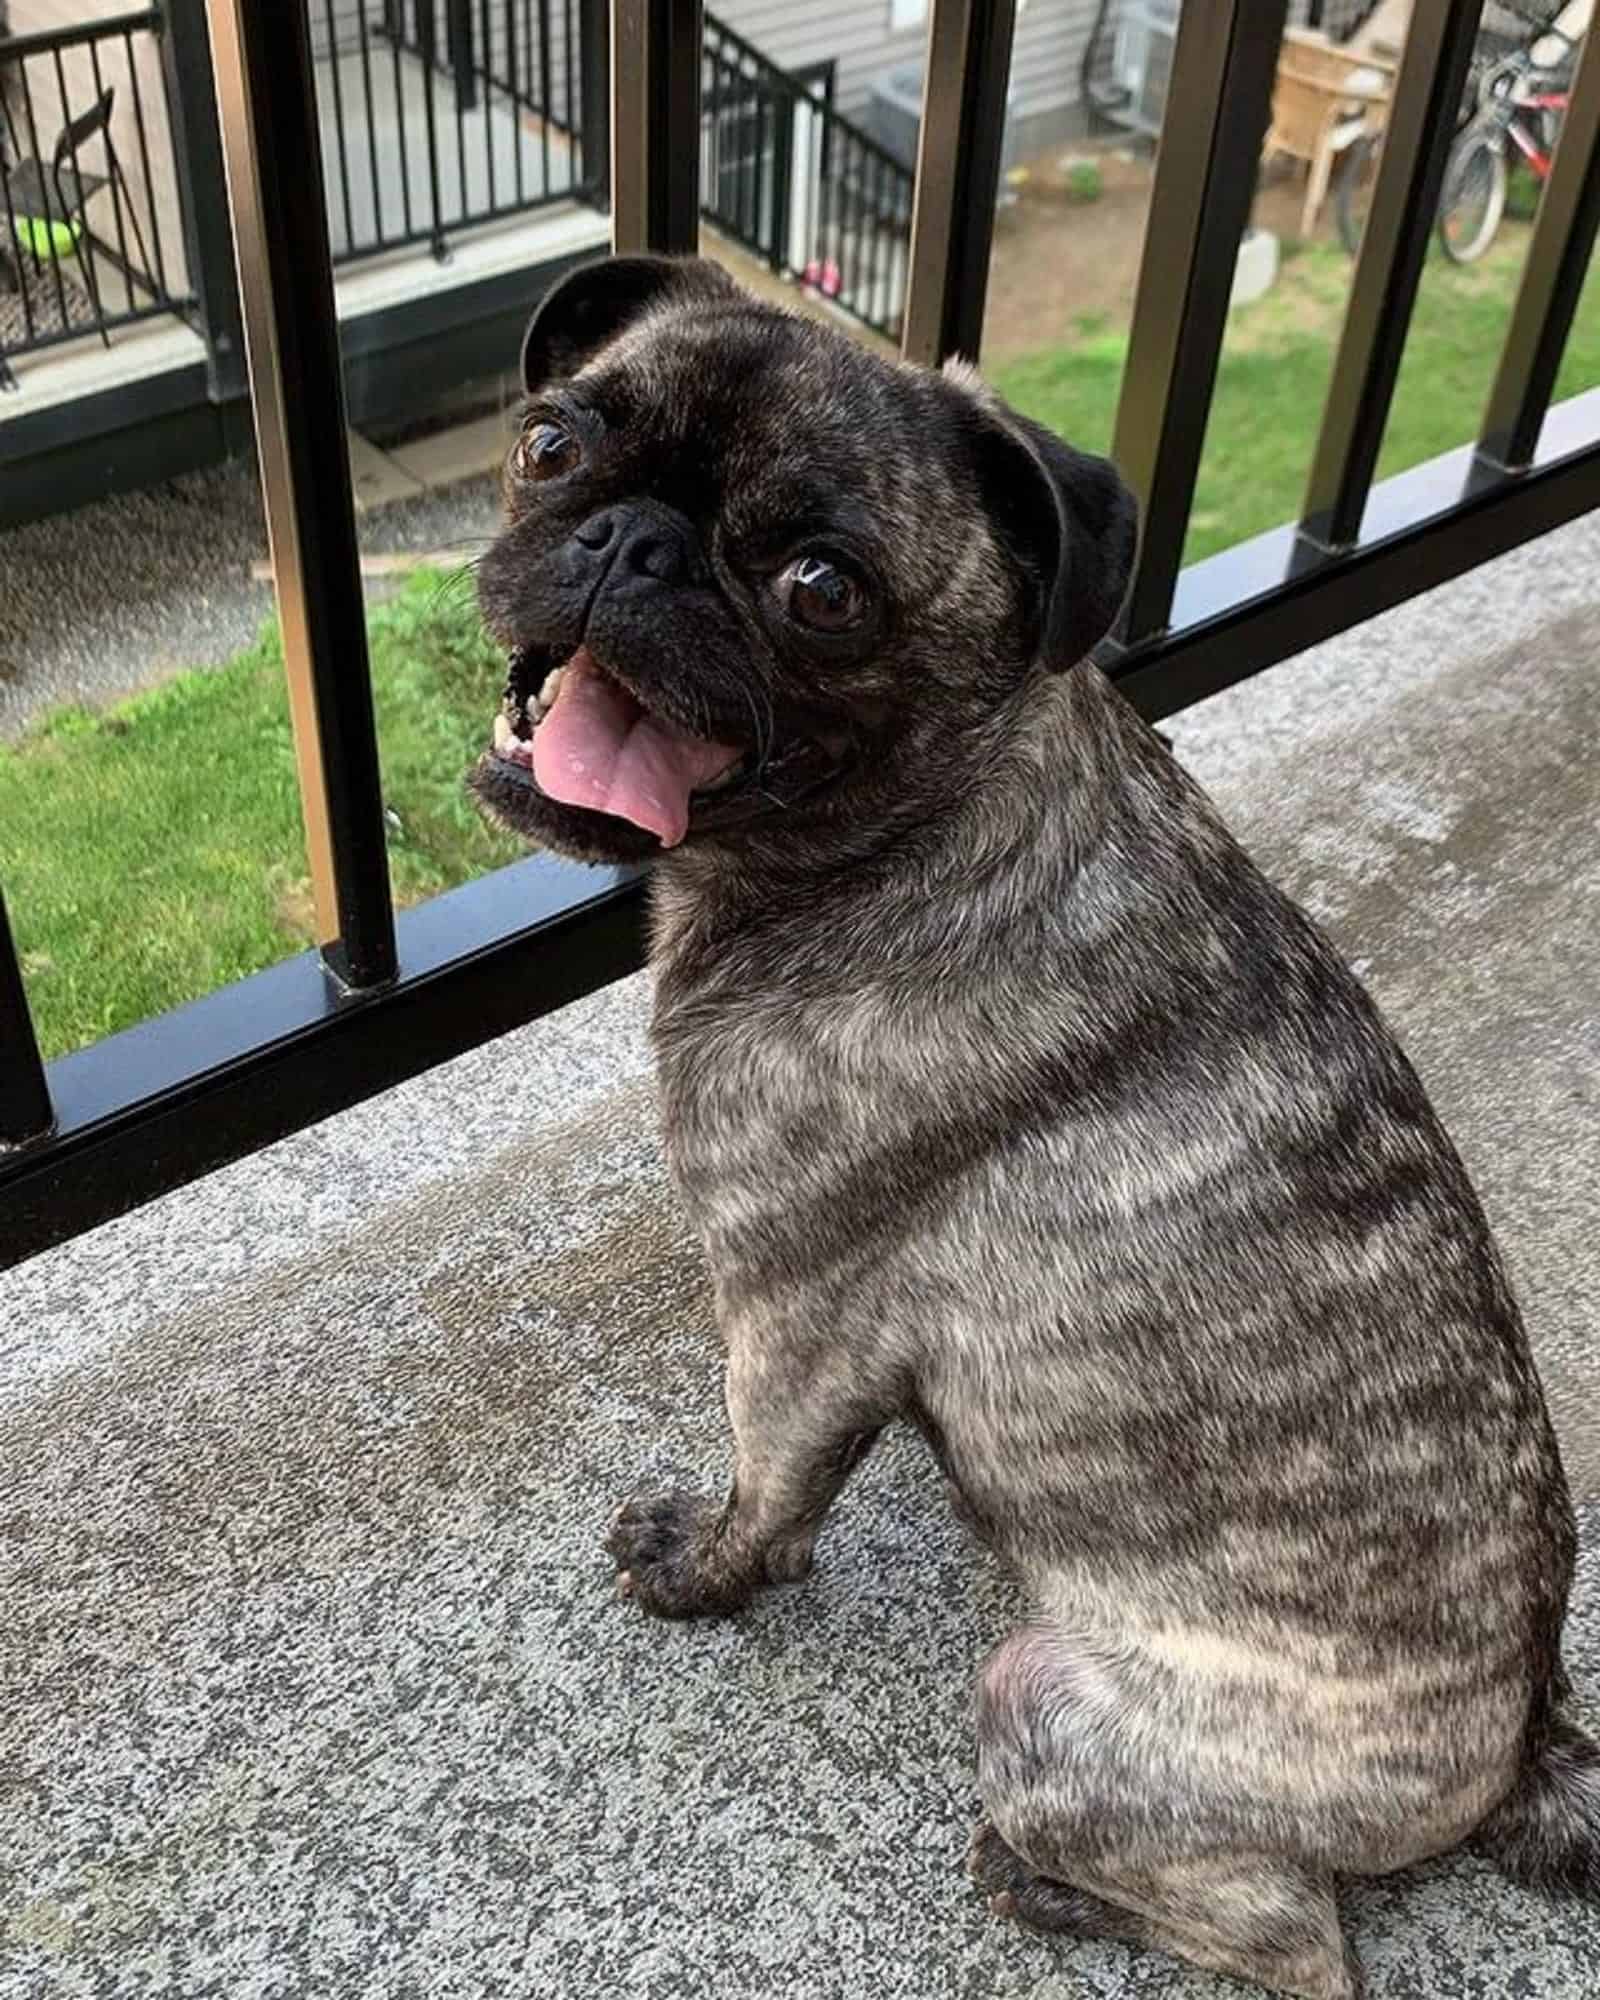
x=1474, y=197
x=1352, y=198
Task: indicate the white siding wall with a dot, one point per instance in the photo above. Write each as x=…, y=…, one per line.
x=855, y=34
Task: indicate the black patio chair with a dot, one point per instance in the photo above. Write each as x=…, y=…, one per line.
x=45, y=203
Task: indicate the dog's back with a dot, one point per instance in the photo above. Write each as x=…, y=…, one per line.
x=1077, y=1126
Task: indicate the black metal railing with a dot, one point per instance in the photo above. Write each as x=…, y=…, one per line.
x=437, y=115
x=800, y=185
x=92, y=231
x=389, y=994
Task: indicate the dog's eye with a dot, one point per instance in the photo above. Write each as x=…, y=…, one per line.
x=546, y=450
x=819, y=594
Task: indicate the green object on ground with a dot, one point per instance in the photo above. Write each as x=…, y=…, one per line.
x=44, y=239
x=1083, y=181
x=154, y=851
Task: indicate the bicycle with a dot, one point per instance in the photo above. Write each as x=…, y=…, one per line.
x=1512, y=110
x=1501, y=107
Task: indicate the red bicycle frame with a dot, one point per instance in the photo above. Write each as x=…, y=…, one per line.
x=1557, y=101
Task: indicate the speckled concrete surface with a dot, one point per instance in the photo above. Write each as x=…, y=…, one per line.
x=311, y=1680
x=104, y=600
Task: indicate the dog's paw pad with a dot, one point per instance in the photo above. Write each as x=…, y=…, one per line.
x=669, y=1559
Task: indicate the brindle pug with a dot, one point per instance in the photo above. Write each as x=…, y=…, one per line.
x=1009, y=1097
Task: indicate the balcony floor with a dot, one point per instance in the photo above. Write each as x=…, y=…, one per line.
x=314, y=1681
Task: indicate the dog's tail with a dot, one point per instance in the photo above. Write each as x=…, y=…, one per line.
x=1546, y=1830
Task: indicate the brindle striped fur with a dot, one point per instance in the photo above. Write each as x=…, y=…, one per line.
x=1010, y=1098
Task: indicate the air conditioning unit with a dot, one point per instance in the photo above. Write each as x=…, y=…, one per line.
x=894, y=116
x=1141, y=61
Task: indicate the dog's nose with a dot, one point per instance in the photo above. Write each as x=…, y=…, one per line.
x=638, y=545
x=598, y=532
x=653, y=548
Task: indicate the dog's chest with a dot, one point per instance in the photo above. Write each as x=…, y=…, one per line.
x=766, y=1087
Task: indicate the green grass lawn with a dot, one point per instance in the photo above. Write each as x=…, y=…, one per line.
x=1274, y=373
x=155, y=851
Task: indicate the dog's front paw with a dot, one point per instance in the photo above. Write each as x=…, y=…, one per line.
x=672, y=1558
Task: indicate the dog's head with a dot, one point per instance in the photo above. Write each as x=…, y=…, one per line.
x=756, y=576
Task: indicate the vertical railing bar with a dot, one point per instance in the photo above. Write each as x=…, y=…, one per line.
x=458, y=21
x=709, y=139
x=783, y=134
x=24, y=289
x=750, y=179
x=576, y=160
x=828, y=207
x=522, y=90
x=758, y=157
x=675, y=150
x=544, y=94
x=768, y=157
x=47, y=182
x=487, y=100
x=25, y=1109
x=338, y=125
x=1216, y=119
x=874, y=262
x=400, y=123
x=1383, y=292
x=266, y=96
x=630, y=120
x=750, y=115
x=857, y=202
x=429, y=45
x=114, y=190
x=655, y=125
x=372, y=135
x=189, y=99
x=160, y=273
x=968, y=67
x=1553, y=274
x=595, y=82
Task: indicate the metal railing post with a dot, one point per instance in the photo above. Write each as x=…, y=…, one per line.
x=25, y=1108
x=594, y=95
x=959, y=140
x=202, y=197
x=266, y=96
x=1383, y=292
x=655, y=125
x=1552, y=278
x=1218, y=102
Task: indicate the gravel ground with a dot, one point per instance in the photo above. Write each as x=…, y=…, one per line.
x=120, y=594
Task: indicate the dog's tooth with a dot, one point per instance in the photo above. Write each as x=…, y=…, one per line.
x=551, y=687
x=504, y=734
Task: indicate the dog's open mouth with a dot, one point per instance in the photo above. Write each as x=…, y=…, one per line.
x=589, y=741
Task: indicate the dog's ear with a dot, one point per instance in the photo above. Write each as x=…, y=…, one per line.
x=1070, y=521
x=593, y=304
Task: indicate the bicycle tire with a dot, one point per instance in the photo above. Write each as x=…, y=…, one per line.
x=1474, y=151
x=1357, y=171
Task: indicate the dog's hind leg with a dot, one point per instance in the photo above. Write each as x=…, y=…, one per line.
x=1092, y=1837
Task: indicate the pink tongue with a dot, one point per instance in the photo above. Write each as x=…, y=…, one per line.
x=597, y=748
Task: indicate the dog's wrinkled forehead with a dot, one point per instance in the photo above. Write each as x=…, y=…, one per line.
x=752, y=416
